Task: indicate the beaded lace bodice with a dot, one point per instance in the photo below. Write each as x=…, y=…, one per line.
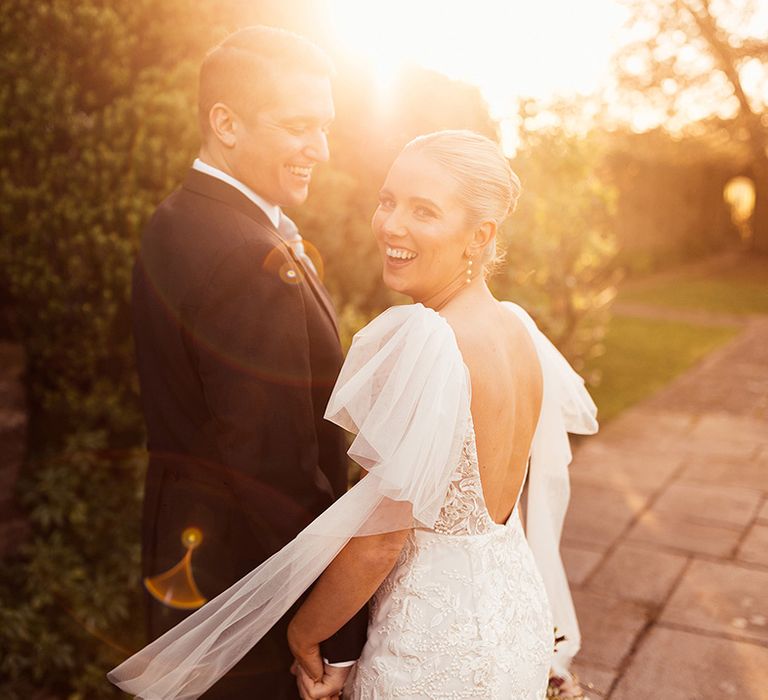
x=464, y=613
x=464, y=511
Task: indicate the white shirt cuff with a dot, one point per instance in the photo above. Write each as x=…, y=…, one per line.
x=339, y=664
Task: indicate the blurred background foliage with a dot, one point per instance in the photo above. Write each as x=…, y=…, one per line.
x=98, y=105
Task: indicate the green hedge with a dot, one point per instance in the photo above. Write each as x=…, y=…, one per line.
x=96, y=101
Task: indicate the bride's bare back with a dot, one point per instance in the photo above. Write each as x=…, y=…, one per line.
x=506, y=395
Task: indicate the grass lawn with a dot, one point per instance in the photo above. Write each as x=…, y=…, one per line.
x=642, y=355
x=738, y=289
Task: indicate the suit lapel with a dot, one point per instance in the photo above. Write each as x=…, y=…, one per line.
x=318, y=289
x=214, y=188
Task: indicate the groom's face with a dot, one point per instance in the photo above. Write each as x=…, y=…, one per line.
x=278, y=146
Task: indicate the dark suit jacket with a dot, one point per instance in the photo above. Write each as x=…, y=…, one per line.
x=237, y=353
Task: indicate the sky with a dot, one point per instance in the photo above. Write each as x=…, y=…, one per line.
x=508, y=48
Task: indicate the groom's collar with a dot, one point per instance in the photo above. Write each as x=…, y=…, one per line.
x=271, y=210
x=214, y=188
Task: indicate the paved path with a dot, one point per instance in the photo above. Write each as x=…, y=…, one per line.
x=666, y=540
x=702, y=318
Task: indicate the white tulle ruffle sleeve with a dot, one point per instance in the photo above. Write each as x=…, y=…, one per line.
x=404, y=392
x=566, y=408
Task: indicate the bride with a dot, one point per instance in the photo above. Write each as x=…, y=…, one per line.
x=455, y=400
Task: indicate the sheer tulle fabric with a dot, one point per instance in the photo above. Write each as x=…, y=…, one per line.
x=404, y=390
x=566, y=408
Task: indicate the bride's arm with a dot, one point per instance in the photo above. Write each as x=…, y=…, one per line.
x=344, y=588
x=399, y=368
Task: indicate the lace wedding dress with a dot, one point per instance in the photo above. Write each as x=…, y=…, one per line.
x=470, y=608
x=464, y=613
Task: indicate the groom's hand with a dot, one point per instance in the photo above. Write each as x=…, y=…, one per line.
x=327, y=688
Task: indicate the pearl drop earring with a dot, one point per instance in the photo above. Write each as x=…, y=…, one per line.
x=469, y=270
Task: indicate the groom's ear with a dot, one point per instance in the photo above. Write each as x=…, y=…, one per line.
x=222, y=122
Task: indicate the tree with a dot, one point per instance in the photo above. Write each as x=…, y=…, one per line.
x=561, y=242
x=702, y=64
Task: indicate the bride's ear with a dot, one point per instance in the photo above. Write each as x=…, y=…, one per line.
x=482, y=236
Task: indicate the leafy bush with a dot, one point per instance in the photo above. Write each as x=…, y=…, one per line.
x=560, y=243
x=98, y=124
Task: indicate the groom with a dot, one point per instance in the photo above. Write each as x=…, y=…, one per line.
x=237, y=351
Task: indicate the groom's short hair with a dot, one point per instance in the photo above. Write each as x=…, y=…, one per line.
x=244, y=69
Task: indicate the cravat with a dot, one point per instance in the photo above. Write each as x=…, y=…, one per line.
x=290, y=234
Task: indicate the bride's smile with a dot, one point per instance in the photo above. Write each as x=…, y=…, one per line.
x=421, y=228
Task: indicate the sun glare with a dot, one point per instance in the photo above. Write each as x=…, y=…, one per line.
x=508, y=49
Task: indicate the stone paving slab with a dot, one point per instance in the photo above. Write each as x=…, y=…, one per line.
x=718, y=447
x=579, y=563
x=646, y=431
x=763, y=514
x=650, y=422
x=728, y=471
x=596, y=682
x=598, y=515
x=608, y=628
x=716, y=503
x=685, y=536
x=720, y=425
x=754, y=549
x=722, y=598
x=638, y=574
x=616, y=468
x=677, y=665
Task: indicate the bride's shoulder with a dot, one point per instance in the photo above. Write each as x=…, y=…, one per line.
x=409, y=332
x=521, y=313
x=404, y=318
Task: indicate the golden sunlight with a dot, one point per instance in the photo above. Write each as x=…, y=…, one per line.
x=508, y=49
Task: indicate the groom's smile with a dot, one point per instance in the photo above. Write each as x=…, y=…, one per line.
x=279, y=146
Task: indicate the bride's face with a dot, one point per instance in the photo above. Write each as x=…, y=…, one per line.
x=420, y=227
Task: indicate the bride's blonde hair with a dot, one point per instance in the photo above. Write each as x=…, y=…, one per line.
x=488, y=187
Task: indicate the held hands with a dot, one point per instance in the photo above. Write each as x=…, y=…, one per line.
x=315, y=679
x=329, y=686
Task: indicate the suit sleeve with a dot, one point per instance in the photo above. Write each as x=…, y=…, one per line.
x=254, y=366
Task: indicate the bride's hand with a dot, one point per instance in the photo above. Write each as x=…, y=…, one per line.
x=329, y=688
x=306, y=653
x=309, y=668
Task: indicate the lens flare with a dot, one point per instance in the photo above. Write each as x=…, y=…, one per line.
x=176, y=588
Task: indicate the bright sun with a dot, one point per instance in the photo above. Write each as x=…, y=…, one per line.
x=505, y=47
